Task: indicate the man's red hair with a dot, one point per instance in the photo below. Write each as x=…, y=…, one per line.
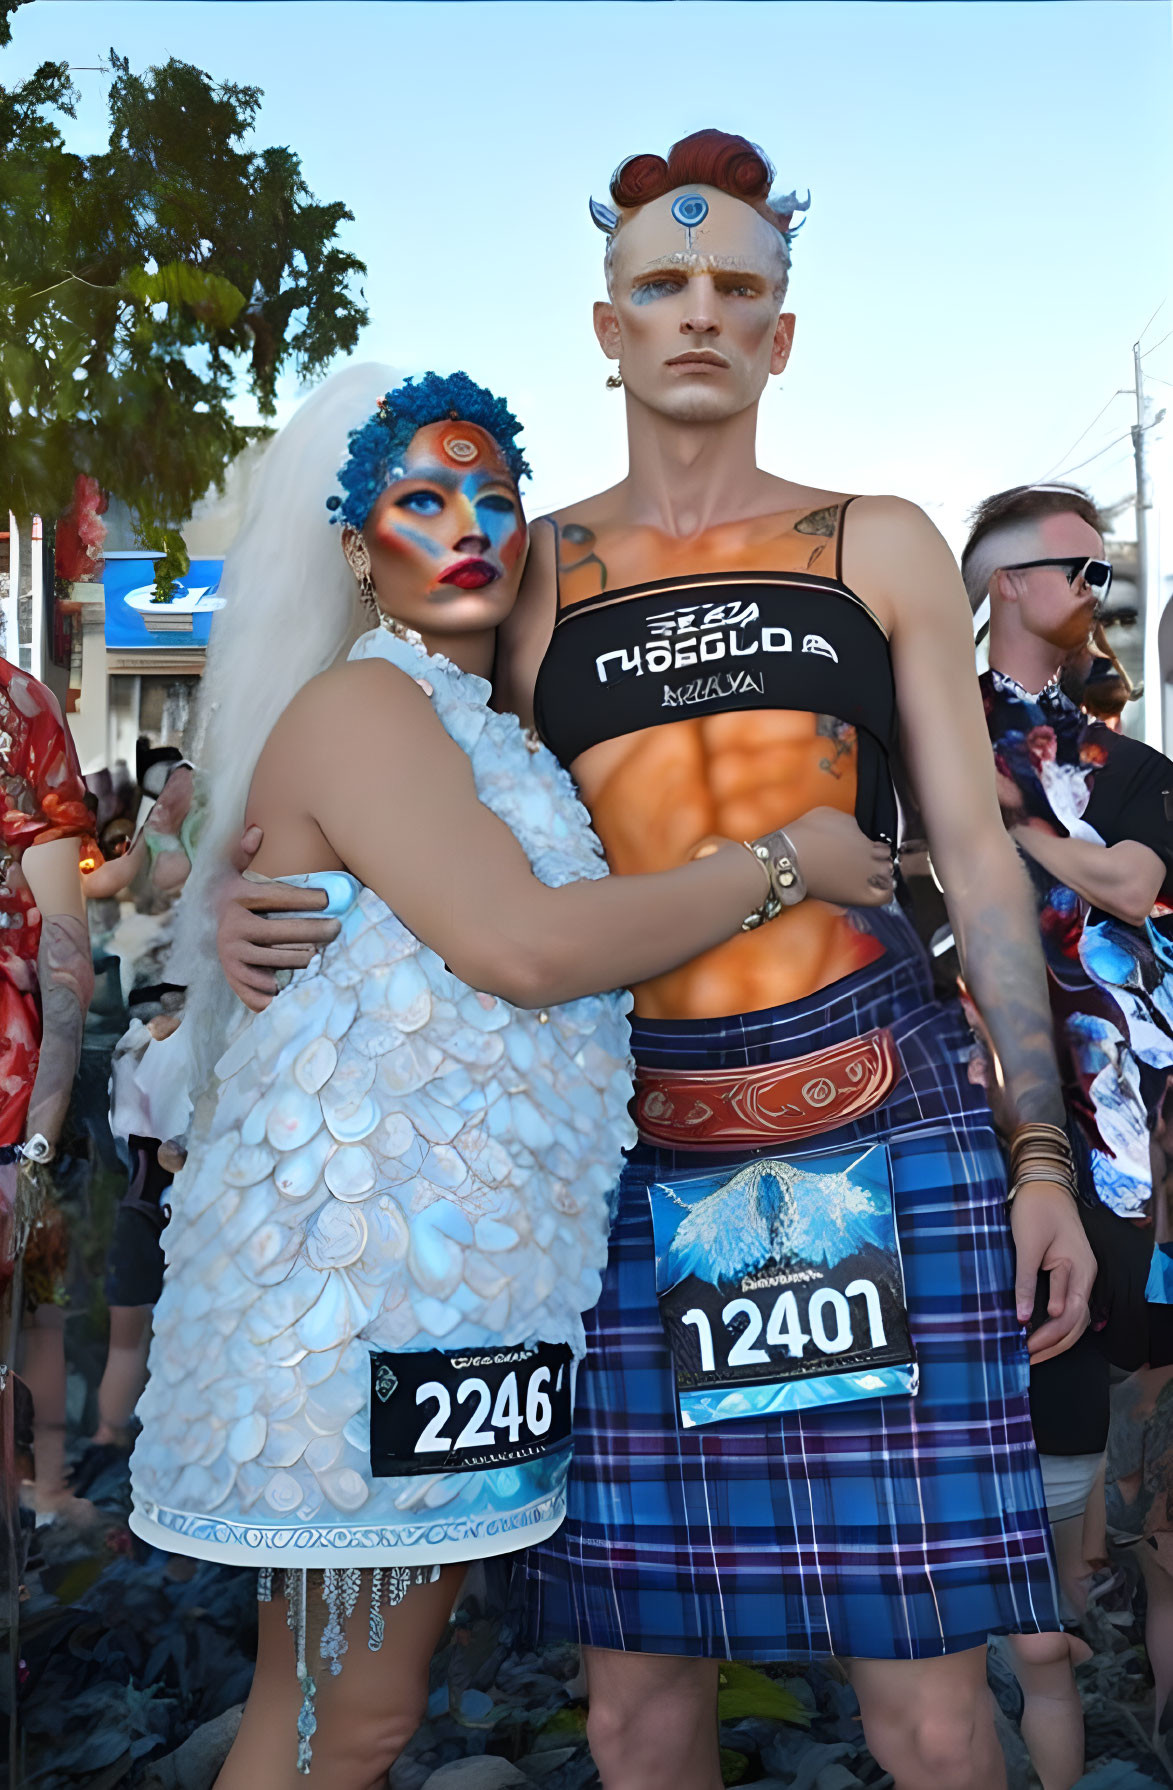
x=715, y=158
x=708, y=158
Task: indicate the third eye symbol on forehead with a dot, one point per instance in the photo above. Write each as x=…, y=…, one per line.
x=690, y=210
x=459, y=448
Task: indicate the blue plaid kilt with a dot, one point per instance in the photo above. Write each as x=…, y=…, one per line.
x=890, y=1528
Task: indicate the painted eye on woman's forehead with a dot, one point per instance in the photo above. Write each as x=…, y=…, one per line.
x=461, y=449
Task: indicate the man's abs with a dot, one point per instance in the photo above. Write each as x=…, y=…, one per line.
x=656, y=796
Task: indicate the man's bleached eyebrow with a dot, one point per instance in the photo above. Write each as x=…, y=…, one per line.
x=685, y=262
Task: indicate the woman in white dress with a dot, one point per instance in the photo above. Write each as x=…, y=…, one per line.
x=394, y=1210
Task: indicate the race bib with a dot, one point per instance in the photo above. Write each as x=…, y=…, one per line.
x=462, y=1410
x=781, y=1285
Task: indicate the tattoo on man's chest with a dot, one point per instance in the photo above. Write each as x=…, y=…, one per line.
x=818, y=522
x=581, y=541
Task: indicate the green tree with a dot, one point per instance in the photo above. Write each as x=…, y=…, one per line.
x=7, y=8
x=143, y=288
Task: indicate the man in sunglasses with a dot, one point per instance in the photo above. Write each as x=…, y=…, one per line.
x=1092, y=813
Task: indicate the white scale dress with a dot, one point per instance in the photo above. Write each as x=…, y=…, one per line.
x=393, y=1161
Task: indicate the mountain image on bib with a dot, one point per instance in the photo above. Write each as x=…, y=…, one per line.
x=780, y=1212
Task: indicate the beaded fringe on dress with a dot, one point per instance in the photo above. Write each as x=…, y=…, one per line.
x=341, y=1589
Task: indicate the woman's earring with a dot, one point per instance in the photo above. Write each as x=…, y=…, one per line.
x=359, y=561
x=615, y=381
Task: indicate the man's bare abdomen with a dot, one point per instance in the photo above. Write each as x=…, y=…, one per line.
x=656, y=796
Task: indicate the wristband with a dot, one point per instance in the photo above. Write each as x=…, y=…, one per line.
x=776, y=854
x=36, y=1148
x=771, y=907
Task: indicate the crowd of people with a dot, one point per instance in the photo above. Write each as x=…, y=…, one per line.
x=543, y=1128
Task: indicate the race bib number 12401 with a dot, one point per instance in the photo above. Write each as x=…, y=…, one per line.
x=780, y=1285
x=463, y=1410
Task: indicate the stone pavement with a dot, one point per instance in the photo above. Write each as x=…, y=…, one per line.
x=134, y=1669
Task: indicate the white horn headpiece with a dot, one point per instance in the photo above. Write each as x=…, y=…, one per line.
x=604, y=217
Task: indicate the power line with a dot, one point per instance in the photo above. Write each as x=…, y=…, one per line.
x=1091, y=457
x=1149, y=324
x=1119, y=393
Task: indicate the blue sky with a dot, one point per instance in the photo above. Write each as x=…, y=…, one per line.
x=987, y=235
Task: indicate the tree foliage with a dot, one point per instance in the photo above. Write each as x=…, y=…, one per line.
x=142, y=288
x=7, y=8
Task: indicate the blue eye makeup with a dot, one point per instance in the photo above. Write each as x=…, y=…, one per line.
x=652, y=289
x=421, y=503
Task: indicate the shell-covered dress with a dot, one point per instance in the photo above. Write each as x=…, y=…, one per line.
x=393, y=1161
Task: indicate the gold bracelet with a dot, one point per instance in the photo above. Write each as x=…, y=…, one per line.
x=1039, y=1139
x=1041, y=1152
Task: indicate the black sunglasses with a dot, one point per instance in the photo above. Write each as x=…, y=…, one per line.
x=1096, y=573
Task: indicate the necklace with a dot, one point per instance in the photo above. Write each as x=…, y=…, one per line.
x=412, y=636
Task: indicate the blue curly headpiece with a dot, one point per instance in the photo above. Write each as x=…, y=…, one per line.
x=377, y=449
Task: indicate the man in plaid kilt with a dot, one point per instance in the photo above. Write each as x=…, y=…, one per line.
x=802, y=1426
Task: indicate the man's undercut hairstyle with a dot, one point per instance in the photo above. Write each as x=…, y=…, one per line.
x=1001, y=527
x=712, y=158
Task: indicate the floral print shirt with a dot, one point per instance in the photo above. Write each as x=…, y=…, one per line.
x=1111, y=983
x=42, y=797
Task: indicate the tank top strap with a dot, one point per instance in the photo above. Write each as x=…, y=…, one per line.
x=840, y=529
x=556, y=534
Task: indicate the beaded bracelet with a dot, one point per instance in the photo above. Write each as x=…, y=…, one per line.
x=1041, y=1152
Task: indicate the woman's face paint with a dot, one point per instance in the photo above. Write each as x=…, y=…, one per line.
x=447, y=540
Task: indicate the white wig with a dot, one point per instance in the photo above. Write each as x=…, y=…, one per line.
x=291, y=608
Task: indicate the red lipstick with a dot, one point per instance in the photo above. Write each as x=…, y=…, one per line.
x=470, y=574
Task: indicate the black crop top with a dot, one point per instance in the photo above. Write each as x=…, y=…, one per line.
x=693, y=647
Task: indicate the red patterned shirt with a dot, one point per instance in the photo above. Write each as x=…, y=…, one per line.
x=42, y=797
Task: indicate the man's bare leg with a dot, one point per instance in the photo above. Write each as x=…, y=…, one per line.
x=43, y=1372
x=1052, y=1715
x=930, y=1722
x=1158, y=1629
x=126, y=1373
x=653, y=1720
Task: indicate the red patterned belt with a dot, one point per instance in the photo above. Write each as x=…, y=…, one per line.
x=712, y=1109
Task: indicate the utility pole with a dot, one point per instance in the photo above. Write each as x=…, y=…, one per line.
x=1148, y=605
x=1147, y=584
x=1143, y=500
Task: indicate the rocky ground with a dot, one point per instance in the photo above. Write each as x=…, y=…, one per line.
x=133, y=1676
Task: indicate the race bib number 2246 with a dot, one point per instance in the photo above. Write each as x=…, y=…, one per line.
x=464, y=1410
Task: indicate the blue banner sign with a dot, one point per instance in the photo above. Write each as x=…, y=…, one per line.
x=136, y=623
